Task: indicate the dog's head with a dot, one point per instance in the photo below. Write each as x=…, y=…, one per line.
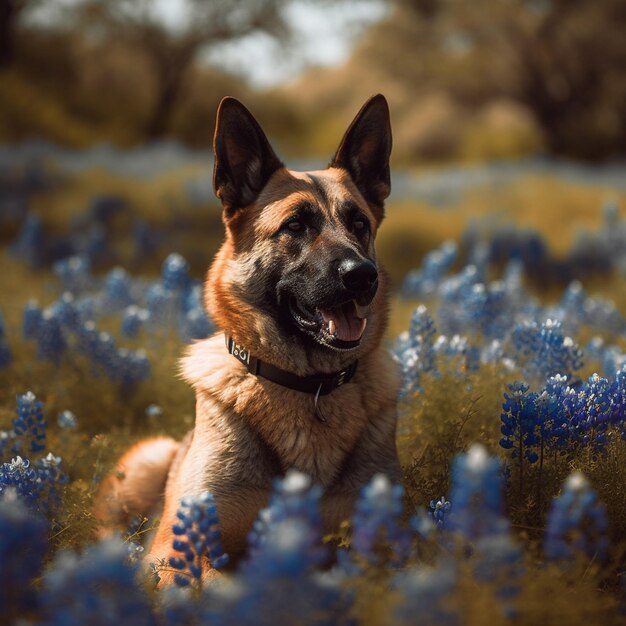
x=297, y=281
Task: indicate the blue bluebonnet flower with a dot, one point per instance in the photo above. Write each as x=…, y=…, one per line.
x=23, y=546
x=555, y=403
x=499, y=560
x=175, y=272
x=594, y=413
x=29, y=425
x=425, y=595
x=521, y=422
x=29, y=245
x=67, y=420
x=612, y=359
x=618, y=399
x=38, y=483
x=38, y=486
x=438, y=511
x=117, y=290
x=74, y=273
x=51, y=342
x=543, y=350
x=5, y=351
x=378, y=536
x=31, y=319
x=415, y=351
x=436, y=264
x=571, y=309
x=295, y=505
x=478, y=516
x=279, y=584
x=454, y=292
x=99, y=588
x=126, y=367
x=162, y=305
x=133, y=320
x=67, y=311
x=577, y=523
x=458, y=348
x=154, y=410
x=477, y=486
x=195, y=325
x=198, y=539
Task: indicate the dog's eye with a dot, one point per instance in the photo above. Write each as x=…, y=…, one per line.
x=295, y=226
x=359, y=225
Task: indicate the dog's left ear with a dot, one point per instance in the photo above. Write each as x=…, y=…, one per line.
x=365, y=149
x=244, y=158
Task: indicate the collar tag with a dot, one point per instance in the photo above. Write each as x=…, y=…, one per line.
x=238, y=351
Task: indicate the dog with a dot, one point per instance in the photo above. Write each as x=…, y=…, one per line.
x=296, y=377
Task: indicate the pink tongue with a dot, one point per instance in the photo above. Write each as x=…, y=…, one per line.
x=348, y=327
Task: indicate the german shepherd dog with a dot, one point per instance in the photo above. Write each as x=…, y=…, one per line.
x=301, y=381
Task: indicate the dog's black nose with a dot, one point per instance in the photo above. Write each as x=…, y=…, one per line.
x=357, y=275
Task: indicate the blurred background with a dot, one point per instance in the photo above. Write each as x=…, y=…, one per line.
x=509, y=110
x=466, y=81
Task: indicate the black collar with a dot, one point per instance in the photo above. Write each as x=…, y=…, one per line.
x=318, y=384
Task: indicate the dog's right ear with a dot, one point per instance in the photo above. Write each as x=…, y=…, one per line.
x=244, y=158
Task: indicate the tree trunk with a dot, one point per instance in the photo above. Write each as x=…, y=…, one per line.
x=167, y=96
x=8, y=17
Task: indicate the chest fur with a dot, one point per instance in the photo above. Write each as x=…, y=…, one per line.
x=301, y=440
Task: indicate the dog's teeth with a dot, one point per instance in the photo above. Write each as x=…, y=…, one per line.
x=361, y=311
x=332, y=328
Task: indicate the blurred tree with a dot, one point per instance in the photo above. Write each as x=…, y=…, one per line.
x=172, y=48
x=565, y=60
x=10, y=13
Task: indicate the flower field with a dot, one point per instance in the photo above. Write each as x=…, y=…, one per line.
x=512, y=429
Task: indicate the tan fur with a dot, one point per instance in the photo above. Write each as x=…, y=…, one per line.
x=248, y=429
x=136, y=484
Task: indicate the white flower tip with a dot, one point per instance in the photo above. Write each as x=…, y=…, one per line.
x=295, y=482
x=576, y=481
x=380, y=484
x=477, y=457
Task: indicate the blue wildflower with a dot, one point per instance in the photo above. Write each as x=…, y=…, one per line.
x=23, y=546
x=74, y=273
x=67, y=420
x=438, y=510
x=436, y=264
x=543, y=350
x=197, y=539
x=31, y=320
x=477, y=486
x=577, y=523
x=133, y=320
x=425, y=593
x=415, y=351
x=29, y=245
x=117, y=290
x=98, y=588
x=5, y=352
x=175, y=272
x=51, y=342
x=280, y=583
x=378, y=536
x=294, y=504
x=29, y=425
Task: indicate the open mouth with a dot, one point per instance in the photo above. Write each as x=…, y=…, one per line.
x=339, y=327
